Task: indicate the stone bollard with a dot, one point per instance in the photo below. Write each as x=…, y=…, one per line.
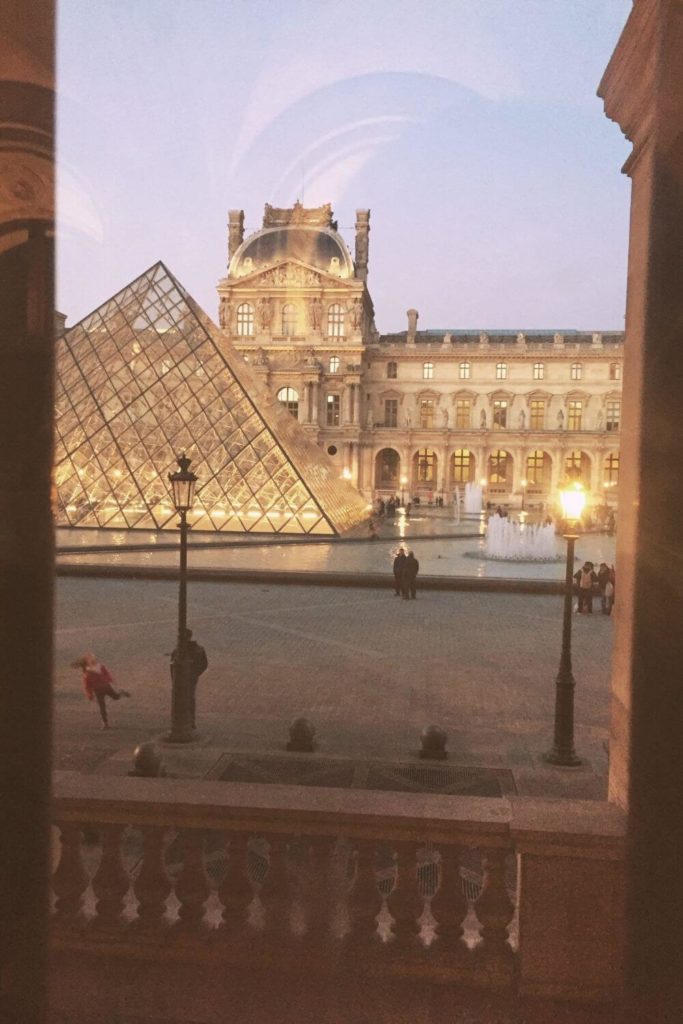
x=302, y=736
x=433, y=740
x=147, y=762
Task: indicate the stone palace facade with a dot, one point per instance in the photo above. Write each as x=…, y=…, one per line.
x=416, y=413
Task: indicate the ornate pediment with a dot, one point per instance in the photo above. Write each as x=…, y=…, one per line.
x=287, y=273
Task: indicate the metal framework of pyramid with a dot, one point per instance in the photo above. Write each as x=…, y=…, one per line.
x=148, y=376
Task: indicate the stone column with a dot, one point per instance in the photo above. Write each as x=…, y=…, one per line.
x=362, y=243
x=315, y=397
x=27, y=343
x=643, y=91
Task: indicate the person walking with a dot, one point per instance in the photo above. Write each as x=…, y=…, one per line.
x=98, y=684
x=196, y=664
x=586, y=579
x=410, y=571
x=399, y=565
x=603, y=580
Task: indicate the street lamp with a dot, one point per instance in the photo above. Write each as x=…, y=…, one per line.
x=573, y=501
x=404, y=481
x=182, y=484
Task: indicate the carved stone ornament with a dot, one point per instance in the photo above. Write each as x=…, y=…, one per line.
x=289, y=273
x=315, y=313
x=483, y=338
x=26, y=188
x=319, y=216
x=264, y=310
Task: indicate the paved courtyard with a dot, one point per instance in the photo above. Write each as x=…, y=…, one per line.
x=368, y=668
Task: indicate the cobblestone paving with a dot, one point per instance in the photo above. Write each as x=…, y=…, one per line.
x=368, y=668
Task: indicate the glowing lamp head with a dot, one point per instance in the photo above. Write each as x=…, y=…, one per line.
x=573, y=501
x=524, y=483
x=404, y=481
x=346, y=473
x=182, y=484
x=483, y=481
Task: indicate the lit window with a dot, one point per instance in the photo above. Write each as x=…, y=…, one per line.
x=427, y=371
x=335, y=321
x=465, y=371
x=427, y=413
x=576, y=371
x=539, y=371
x=537, y=414
x=575, y=465
x=463, y=413
x=426, y=466
x=498, y=467
x=333, y=409
x=536, y=463
x=392, y=371
x=463, y=466
x=615, y=371
x=501, y=371
x=613, y=415
x=612, y=469
x=391, y=412
x=574, y=415
x=334, y=364
x=245, y=320
x=289, y=318
x=290, y=399
x=500, y=414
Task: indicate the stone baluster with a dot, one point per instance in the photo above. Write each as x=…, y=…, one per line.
x=405, y=901
x=317, y=899
x=192, y=887
x=152, y=886
x=70, y=880
x=449, y=905
x=275, y=891
x=111, y=882
x=494, y=907
x=364, y=904
x=236, y=891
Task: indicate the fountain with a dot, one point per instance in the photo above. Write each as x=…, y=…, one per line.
x=509, y=541
x=472, y=499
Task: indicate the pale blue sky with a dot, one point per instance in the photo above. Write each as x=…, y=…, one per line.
x=470, y=128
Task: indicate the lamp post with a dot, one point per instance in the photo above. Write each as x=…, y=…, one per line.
x=182, y=483
x=404, y=481
x=573, y=500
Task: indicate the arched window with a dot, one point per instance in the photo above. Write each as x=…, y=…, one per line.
x=392, y=371
x=335, y=321
x=465, y=371
x=289, y=318
x=334, y=364
x=245, y=319
x=427, y=371
x=425, y=466
x=387, y=465
x=290, y=399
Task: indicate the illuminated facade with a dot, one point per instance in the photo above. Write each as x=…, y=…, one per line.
x=416, y=412
x=146, y=376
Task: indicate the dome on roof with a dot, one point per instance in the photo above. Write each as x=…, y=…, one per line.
x=315, y=246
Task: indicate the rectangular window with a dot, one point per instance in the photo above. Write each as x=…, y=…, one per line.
x=575, y=413
x=539, y=371
x=391, y=412
x=500, y=414
x=463, y=413
x=427, y=371
x=465, y=371
x=333, y=408
x=392, y=371
x=427, y=413
x=576, y=372
x=615, y=371
x=537, y=410
x=613, y=415
x=501, y=371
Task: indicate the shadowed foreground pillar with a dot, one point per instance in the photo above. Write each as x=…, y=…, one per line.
x=643, y=91
x=26, y=543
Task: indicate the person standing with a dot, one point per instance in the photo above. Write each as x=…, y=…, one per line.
x=196, y=664
x=410, y=571
x=98, y=684
x=399, y=565
x=586, y=579
x=603, y=580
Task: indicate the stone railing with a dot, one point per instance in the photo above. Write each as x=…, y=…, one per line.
x=489, y=892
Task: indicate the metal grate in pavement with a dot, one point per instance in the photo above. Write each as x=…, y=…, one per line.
x=341, y=773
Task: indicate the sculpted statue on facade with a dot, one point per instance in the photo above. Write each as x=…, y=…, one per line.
x=356, y=313
x=521, y=338
x=482, y=419
x=369, y=418
x=226, y=313
x=444, y=417
x=522, y=419
x=315, y=308
x=259, y=358
x=483, y=338
x=601, y=419
x=560, y=420
x=264, y=311
x=409, y=420
x=558, y=339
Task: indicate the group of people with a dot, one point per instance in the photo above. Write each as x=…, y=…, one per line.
x=406, y=568
x=98, y=682
x=390, y=507
x=590, y=583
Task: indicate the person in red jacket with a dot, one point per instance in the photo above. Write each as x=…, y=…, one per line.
x=97, y=683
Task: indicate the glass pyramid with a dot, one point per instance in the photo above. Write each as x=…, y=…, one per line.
x=147, y=376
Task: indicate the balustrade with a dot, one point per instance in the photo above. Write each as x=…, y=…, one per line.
x=259, y=881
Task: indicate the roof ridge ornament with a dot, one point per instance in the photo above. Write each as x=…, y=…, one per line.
x=318, y=216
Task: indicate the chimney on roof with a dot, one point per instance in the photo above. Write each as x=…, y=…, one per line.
x=412, y=315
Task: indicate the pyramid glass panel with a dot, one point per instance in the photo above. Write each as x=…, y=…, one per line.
x=148, y=376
